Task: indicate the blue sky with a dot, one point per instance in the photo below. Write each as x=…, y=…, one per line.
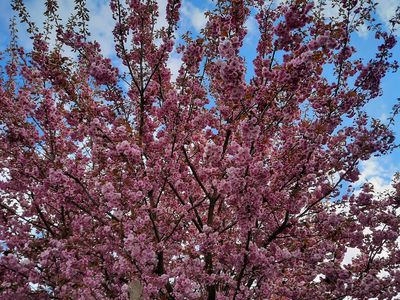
x=377, y=170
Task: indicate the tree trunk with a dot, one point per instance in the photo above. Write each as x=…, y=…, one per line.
x=135, y=290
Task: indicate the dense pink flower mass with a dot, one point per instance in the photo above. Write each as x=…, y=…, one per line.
x=119, y=182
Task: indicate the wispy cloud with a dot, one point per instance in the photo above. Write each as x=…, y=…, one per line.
x=162, y=14
x=386, y=9
x=251, y=25
x=101, y=25
x=379, y=171
x=174, y=64
x=195, y=15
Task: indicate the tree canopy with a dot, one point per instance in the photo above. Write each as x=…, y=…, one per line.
x=120, y=181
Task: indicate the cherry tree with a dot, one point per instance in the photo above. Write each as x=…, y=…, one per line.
x=120, y=181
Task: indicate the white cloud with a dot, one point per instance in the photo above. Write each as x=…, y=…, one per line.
x=330, y=9
x=383, y=117
x=318, y=278
x=162, y=14
x=386, y=9
x=4, y=175
x=253, y=34
x=251, y=25
x=195, y=15
x=350, y=254
x=174, y=64
x=101, y=25
x=363, y=31
x=379, y=171
x=278, y=2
